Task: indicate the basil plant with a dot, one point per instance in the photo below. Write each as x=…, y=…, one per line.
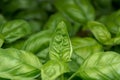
x=59, y=40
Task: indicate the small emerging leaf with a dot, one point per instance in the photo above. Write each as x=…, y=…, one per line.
x=60, y=45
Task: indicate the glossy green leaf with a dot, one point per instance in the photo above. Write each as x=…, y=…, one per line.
x=76, y=10
x=52, y=69
x=99, y=31
x=60, y=45
x=18, y=64
x=38, y=41
x=113, y=41
x=102, y=34
x=87, y=9
x=14, y=30
x=57, y=65
x=55, y=19
x=43, y=49
x=84, y=47
x=112, y=22
x=101, y=66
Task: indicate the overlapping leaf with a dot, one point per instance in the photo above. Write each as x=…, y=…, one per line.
x=18, y=64
x=15, y=30
x=101, y=66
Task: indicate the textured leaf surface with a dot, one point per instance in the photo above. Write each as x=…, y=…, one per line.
x=99, y=31
x=84, y=47
x=60, y=45
x=76, y=10
x=15, y=30
x=38, y=41
x=52, y=69
x=101, y=66
x=18, y=64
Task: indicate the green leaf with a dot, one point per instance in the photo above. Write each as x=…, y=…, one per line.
x=35, y=26
x=87, y=9
x=36, y=14
x=101, y=66
x=35, y=17
x=17, y=44
x=18, y=64
x=38, y=41
x=84, y=47
x=76, y=10
x=99, y=31
x=112, y=22
x=60, y=45
x=14, y=30
x=60, y=51
x=103, y=7
x=52, y=69
x=102, y=34
x=43, y=55
x=75, y=62
x=113, y=41
x=18, y=4
x=55, y=19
